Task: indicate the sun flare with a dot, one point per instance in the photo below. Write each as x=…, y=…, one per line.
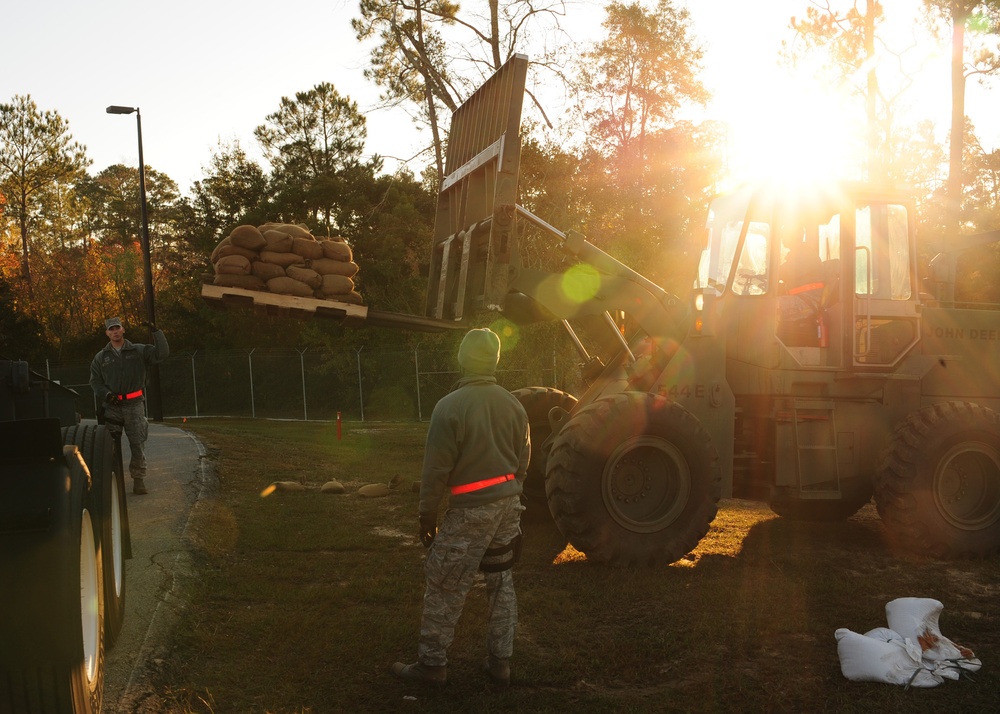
x=795, y=134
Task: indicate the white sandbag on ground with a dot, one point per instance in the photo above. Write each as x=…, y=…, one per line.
x=871, y=659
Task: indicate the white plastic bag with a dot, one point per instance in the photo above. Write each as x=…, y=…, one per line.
x=864, y=658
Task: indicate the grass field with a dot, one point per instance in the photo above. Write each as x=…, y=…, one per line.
x=303, y=599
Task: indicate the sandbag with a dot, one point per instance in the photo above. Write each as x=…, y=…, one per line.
x=870, y=659
x=266, y=271
x=277, y=241
x=247, y=282
x=232, y=265
x=288, y=486
x=282, y=259
x=289, y=286
x=247, y=237
x=374, y=490
x=293, y=229
x=332, y=487
x=224, y=242
x=336, y=249
x=916, y=619
x=307, y=247
x=229, y=249
x=305, y=275
x=336, y=285
x=330, y=266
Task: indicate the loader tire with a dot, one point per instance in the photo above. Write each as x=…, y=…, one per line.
x=53, y=662
x=96, y=445
x=538, y=402
x=938, y=485
x=633, y=479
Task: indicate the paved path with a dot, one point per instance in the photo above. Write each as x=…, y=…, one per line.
x=179, y=477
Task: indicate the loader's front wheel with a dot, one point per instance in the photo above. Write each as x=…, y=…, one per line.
x=938, y=486
x=538, y=402
x=633, y=479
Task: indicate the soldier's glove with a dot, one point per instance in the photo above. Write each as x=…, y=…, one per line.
x=428, y=529
x=113, y=399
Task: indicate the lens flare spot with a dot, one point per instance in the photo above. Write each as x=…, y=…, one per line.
x=508, y=332
x=268, y=491
x=581, y=283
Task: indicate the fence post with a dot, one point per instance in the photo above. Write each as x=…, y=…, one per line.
x=361, y=395
x=194, y=383
x=416, y=362
x=253, y=406
x=302, y=366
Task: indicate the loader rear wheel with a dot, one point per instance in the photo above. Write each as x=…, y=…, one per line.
x=96, y=445
x=938, y=486
x=633, y=479
x=538, y=402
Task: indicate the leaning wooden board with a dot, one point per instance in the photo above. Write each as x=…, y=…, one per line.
x=347, y=314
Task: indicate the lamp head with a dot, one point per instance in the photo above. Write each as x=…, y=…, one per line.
x=115, y=109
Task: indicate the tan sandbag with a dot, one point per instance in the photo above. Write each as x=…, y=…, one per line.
x=296, y=230
x=332, y=487
x=288, y=486
x=353, y=297
x=307, y=247
x=289, y=286
x=247, y=237
x=338, y=250
x=277, y=241
x=232, y=265
x=305, y=275
x=373, y=490
x=215, y=253
x=330, y=266
x=282, y=259
x=336, y=284
x=247, y=282
x=230, y=249
x=266, y=271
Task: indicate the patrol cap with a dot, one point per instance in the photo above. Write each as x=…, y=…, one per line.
x=112, y=322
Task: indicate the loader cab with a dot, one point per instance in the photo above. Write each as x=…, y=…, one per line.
x=818, y=278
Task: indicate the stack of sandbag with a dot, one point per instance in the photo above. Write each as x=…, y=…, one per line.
x=285, y=258
x=911, y=651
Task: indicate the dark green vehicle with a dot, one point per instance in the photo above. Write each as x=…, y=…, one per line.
x=811, y=367
x=63, y=541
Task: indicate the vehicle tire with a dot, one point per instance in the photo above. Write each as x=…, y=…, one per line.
x=857, y=493
x=59, y=665
x=538, y=402
x=633, y=479
x=96, y=444
x=938, y=484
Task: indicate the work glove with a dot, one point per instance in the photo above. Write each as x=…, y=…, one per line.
x=428, y=529
x=113, y=399
x=152, y=327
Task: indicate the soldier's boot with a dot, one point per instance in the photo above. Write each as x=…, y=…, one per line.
x=419, y=672
x=498, y=669
x=138, y=487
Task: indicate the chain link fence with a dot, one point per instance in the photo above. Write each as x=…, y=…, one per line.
x=357, y=385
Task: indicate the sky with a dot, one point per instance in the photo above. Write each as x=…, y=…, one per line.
x=205, y=72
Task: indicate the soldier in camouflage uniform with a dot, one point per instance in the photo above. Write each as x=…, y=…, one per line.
x=477, y=448
x=118, y=378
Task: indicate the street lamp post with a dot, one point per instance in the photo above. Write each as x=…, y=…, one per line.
x=155, y=402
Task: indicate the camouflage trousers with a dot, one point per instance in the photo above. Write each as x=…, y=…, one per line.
x=451, y=569
x=131, y=417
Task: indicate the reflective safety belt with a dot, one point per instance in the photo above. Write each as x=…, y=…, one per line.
x=806, y=288
x=132, y=395
x=477, y=485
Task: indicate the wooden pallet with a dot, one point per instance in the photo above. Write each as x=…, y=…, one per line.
x=347, y=314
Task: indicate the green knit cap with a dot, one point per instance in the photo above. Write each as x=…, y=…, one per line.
x=480, y=352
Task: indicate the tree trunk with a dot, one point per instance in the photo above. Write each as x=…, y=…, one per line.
x=876, y=170
x=954, y=189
